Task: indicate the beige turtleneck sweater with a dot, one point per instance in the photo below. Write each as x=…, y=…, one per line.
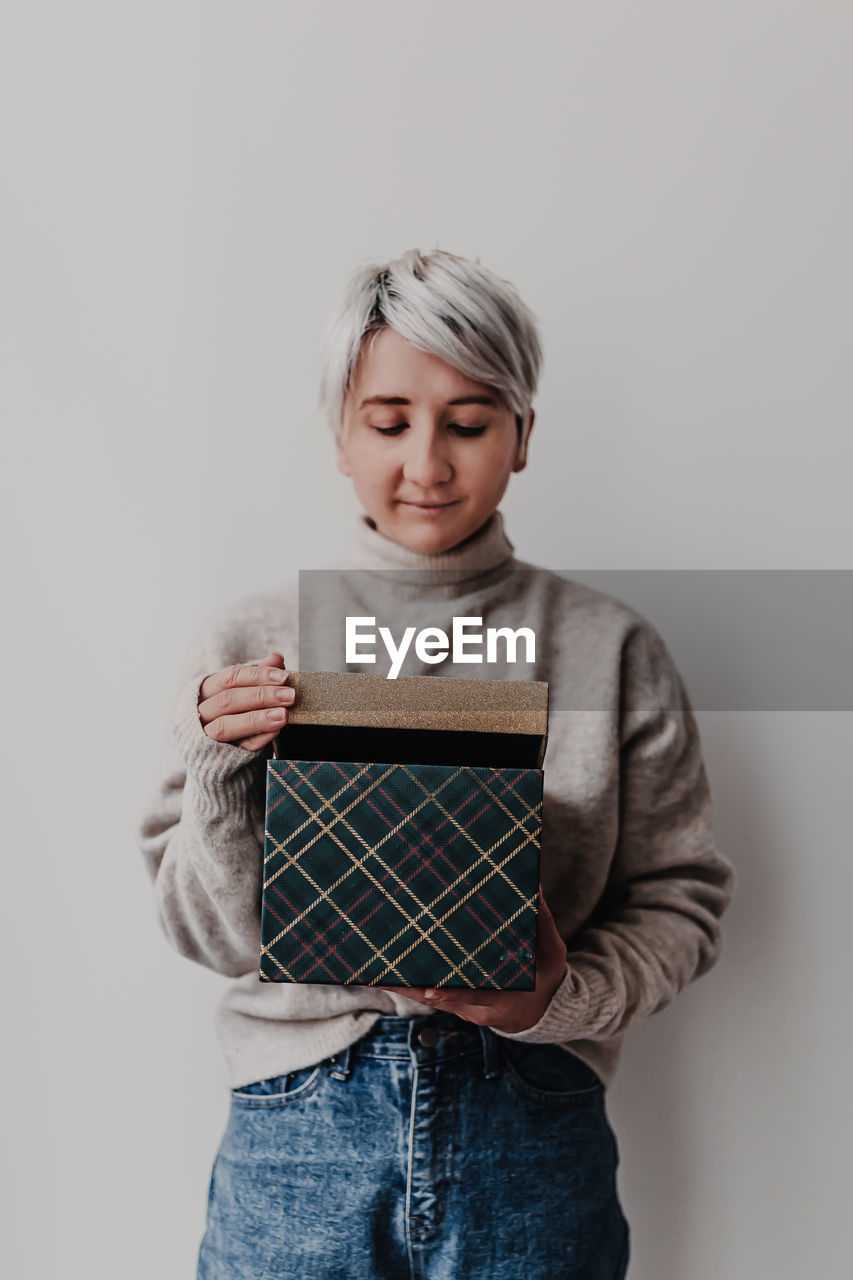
x=629, y=863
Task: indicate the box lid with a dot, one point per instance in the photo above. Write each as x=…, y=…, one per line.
x=428, y=704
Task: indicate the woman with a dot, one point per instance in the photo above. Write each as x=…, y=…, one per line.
x=387, y=1131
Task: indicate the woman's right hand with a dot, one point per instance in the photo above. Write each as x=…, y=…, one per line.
x=246, y=705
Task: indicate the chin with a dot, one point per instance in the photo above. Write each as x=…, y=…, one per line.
x=425, y=535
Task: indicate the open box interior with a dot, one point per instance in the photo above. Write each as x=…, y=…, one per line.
x=409, y=746
x=415, y=720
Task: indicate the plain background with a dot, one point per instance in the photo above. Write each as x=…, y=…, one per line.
x=185, y=188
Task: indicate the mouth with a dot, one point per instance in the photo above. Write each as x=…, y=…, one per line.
x=430, y=506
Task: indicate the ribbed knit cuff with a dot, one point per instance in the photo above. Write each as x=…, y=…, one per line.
x=569, y=1010
x=219, y=771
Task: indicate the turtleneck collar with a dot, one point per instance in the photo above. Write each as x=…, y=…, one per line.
x=483, y=551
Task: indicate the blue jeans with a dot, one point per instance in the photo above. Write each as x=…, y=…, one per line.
x=431, y=1149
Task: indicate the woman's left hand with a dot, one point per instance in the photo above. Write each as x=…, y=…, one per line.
x=509, y=1011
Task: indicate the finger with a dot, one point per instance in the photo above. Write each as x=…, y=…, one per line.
x=271, y=673
x=550, y=945
x=411, y=993
x=468, y=999
x=547, y=923
x=250, y=689
x=255, y=697
x=442, y=995
x=460, y=1001
x=270, y=669
x=417, y=991
x=240, y=675
x=259, y=740
x=235, y=727
x=272, y=659
x=244, y=675
x=543, y=906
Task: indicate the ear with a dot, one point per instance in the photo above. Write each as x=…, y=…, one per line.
x=521, y=455
x=343, y=460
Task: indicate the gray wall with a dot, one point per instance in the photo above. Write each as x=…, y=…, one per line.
x=184, y=188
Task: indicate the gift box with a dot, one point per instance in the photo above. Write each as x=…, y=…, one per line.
x=402, y=832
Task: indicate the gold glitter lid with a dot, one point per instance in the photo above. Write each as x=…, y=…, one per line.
x=355, y=699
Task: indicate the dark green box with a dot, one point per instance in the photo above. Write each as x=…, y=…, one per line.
x=402, y=834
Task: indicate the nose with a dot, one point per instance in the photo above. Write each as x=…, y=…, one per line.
x=426, y=462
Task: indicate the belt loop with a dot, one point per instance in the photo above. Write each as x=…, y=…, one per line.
x=491, y=1065
x=342, y=1068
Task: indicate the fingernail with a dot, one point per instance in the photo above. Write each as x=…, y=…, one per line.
x=277, y=714
x=278, y=675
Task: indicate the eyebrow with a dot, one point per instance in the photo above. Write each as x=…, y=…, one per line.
x=474, y=399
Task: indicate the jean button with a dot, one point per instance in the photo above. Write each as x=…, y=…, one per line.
x=427, y=1036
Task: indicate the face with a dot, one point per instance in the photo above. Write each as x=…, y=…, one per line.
x=429, y=451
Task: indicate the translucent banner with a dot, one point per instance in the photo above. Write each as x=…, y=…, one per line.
x=742, y=640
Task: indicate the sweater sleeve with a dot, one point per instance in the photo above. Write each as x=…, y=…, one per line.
x=201, y=832
x=657, y=925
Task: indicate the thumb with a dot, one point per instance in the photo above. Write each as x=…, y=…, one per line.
x=548, y=937
x=546, y=924
x=544, y=909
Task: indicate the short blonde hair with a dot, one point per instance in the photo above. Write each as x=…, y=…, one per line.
x=443, y=304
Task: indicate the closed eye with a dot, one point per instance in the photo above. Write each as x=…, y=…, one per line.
x=458, y=427
x=467, y=431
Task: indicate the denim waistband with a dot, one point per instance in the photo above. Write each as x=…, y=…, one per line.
x=434, y=1037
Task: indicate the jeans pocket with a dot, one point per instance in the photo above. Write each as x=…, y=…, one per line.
x=282, y=1090
x=548, y=1073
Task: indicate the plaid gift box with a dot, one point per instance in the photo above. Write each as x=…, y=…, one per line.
x=402, y=832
